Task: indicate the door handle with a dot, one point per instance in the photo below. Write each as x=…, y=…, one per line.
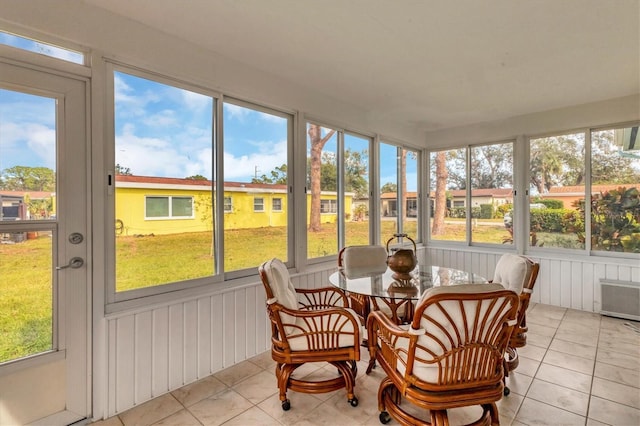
x=74, y=263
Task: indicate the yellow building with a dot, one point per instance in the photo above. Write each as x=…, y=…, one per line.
x=156, y=205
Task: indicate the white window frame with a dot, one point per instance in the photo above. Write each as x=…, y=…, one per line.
x=228, y=207
x=258, y=204
x=170, y=202
x=273, y=204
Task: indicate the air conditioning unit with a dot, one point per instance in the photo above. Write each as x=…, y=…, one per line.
x=620, y=299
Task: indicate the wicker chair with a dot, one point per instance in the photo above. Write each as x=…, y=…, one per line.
x=355, y=259
x=450, y=356
x=310, y=326
x=517, y=273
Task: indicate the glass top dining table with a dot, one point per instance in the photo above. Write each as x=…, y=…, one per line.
x=379, y=282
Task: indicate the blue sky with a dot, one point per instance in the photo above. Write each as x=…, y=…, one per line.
x=160, y=130
x=27, y=130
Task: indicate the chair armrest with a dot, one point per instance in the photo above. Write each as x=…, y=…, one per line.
x=319, y=298
x=383, y=333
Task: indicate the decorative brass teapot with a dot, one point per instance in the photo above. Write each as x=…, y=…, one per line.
x=402, y=261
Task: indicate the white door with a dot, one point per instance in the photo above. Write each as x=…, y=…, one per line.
x=44, y=248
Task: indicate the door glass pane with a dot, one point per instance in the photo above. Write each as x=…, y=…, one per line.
x=27, y=192
x=164, y=183
x=322, y=184
x=255, y=175
x=448, y=195
x=492, y=193
x=615, y=190
x=356, y=198
x=557, y=183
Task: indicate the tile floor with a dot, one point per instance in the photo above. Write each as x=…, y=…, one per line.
x=578, y=368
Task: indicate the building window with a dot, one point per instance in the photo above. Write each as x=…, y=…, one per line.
x=276, y=204
x=228, y=206
x=258, y=204
x=328, y=206
x=170, y=207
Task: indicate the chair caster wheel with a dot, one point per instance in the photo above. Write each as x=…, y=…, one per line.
x=354, y=402
x=384, y=417
x=286, y=405
x=506, y=391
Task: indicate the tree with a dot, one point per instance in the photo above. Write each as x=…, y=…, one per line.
x=557, y=160
x=317, y=142
x=441, y=193
x=609, y=165
x=23, y=178
x=492, y=166
x=277, y=176
x=388, y=188
x=124, y=171
x=196, y=177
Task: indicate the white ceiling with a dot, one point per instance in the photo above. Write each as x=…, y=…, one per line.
x=427, y=63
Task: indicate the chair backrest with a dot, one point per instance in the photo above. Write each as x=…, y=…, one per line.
x=463, y=332
x=277, y=284
x=367, y=256
x=514, y=272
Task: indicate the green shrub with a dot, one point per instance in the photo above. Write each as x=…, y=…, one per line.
x=551, y=204
x=457, y=212
x=486, y=211
x=502, y=209
x=553, y=220
x=615, y=220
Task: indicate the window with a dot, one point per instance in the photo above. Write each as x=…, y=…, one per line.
x=491, y=182
x=615, y=189
x=165, y=148
x=472, y=194
x=338, y=198
x=168, y=207
x=257, y=141
x=42, y=48
x=447, y=186
x=557, y=174
x=276, y=204
x=328, y=206
x=398, y=187
x=163, y=165
x=258, y=204
x=228, y=206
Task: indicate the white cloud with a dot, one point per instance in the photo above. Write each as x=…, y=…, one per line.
x=196, y=101
x=29, y=139
x=244, y=167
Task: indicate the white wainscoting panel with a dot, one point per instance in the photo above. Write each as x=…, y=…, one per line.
x=154, y=351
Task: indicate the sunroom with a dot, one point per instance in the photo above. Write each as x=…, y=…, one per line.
x=154, y=154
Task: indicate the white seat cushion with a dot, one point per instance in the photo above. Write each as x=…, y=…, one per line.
x=438, y=342
x=512, y=271
x=284, y=293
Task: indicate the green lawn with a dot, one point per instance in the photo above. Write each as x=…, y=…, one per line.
x=25, y=268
